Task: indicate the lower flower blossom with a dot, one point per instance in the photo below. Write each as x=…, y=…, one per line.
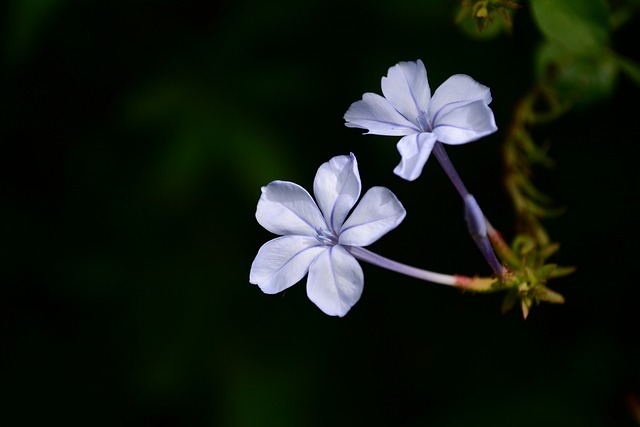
x=317, y=238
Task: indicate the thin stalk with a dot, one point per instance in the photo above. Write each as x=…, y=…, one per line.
x=471, y=283
x=445, y=162
x=476, y=220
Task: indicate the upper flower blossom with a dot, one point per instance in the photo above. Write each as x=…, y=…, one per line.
x=457, y=113
x=316, y=238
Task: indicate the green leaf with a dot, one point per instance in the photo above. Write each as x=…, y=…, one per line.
x=580, y=78
x=578, y=25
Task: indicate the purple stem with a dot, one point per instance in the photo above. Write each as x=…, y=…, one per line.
x=476, y=221
x=375, y=259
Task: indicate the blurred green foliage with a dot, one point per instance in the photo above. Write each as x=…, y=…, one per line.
x=138, y=135
x=576, y=58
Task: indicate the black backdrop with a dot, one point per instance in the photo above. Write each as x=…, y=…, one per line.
x=136, y=138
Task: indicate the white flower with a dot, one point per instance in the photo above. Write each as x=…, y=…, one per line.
x=457, y=113
x=318, y=240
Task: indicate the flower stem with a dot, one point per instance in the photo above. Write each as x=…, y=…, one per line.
x=470, y=283
x=476, y=220
x=445, y=162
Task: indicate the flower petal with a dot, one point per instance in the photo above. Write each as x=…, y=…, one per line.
x=283, y=261
x=335, y=281
x=465, y=123
x=415, y=150
x=378, y=212
x=456, y=91
x=286, y=208
x=378, y=116
x=407, y=88
x=337, y=188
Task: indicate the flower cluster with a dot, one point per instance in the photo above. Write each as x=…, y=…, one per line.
x=321, y=239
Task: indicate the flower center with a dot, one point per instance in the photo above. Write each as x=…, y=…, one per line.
x=423, y=122
x=325, y=237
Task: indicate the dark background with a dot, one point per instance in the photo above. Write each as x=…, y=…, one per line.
x=136, y=138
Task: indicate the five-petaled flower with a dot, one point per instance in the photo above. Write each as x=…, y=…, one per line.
x=316, y=238
x=457, y=113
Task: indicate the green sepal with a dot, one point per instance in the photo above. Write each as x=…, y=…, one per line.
x=561, y=272
x=510, y=300
x=542, y=293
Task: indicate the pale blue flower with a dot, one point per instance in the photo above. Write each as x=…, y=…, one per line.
x=457, y=113
x=317, y=238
